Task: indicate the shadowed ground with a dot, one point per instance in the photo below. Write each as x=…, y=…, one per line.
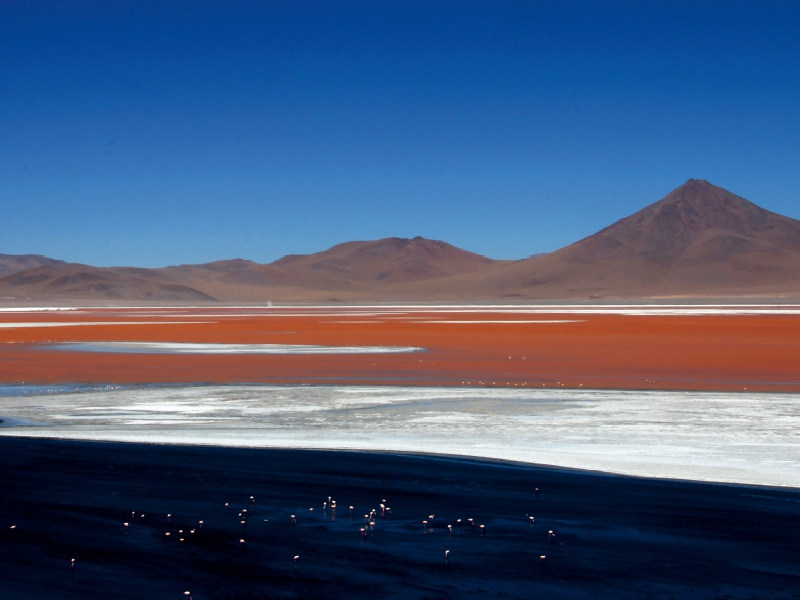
x=614, y=536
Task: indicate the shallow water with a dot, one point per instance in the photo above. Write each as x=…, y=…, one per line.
x=187, y=348
x=725, y=437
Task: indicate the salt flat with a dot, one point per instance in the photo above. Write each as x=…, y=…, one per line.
x=709, y=436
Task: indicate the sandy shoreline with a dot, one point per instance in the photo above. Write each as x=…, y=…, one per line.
x=621, y=537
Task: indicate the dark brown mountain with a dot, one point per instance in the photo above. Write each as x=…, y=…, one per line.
x=353, y=270
x=70, y=281
x=348, y=270
x=700, y=240
x=13, y=263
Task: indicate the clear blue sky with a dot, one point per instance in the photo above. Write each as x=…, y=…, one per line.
x=143, y=134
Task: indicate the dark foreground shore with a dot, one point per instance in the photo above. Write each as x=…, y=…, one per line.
x=615, y=537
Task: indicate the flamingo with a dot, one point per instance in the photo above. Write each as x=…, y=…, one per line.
x=447, y=556
x=188, y=595
x=450, y=528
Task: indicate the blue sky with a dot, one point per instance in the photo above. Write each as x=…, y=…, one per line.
x=154, y=133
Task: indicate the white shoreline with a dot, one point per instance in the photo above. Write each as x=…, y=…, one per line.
x=704, y=436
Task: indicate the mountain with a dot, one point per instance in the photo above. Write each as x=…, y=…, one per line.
x=351, y=271
x=700, y=240
x=13, y=263
x=71, y=281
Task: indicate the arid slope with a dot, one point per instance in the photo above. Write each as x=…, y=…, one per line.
x=698, y=241
x=13, y=263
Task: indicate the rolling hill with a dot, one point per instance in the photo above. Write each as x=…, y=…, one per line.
x=699, y=241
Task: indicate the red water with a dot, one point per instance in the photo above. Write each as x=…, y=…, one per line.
x=725, y=352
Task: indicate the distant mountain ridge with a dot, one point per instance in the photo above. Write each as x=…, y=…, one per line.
x=13, y=263
x=698, y=241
